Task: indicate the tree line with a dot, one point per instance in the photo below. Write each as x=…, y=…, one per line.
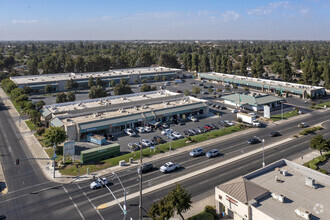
x=294, y=61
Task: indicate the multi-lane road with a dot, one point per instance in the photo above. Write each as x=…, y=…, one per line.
x=32, y=196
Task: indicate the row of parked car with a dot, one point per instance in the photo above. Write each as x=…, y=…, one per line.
x=145, y=143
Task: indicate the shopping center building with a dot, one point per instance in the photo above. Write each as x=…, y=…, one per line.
x=133, y=75
x=282, y=190
x=265, y=85
x=111, y=115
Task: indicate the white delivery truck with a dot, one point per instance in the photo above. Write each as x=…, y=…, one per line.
x=249, y=119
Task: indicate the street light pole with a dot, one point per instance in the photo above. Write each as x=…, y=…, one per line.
x=125, y=207
x=282, y=110
x=263, y=153
x=140, y=205
x=170, y=141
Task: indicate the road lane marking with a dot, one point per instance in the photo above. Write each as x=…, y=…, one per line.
x=181, y=178
x=98, y=212
x=74, y=203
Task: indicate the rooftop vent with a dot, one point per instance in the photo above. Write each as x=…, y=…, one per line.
x=278, y=197
x=121, y=110
x=303, y=213
x=310, y=182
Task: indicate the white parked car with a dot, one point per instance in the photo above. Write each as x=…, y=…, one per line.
x=234, y=111
x=169, y=167
x=229, y=123
x=140, y=129
x=129, y=132
x=166, y=131
x=146, y=143
x=192, y=118
x=177, y=135
x=147, y=129
x=99, y=182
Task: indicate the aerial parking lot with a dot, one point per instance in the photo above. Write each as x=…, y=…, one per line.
x=183, y=128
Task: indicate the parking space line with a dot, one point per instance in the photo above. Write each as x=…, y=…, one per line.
x=98, y=212
x=75, y=205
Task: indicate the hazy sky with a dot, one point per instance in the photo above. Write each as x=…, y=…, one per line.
x=164, y=19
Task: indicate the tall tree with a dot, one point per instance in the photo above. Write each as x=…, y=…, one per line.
x=79, y=64
x=205, y=64
x=180, y=199
x=320, y=144
x=32, y=67
x=168, y=60
x=224, y=64
x=91, y=82
x=187, y=61
x=54, y=135
x=243, y=66
x=286, y=71
x=326, y=75
x=229, y=66
x=218, y=64
x=195, y=62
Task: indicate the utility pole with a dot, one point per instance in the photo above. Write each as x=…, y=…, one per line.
x=140, y=205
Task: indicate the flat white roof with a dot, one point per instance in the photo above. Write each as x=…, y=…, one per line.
x=293, y=187
x=265, y=81
x=109, y=101
x=66, y=76
x=133, y=110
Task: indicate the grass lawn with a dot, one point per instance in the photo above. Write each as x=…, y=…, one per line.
x=286, y=115
x=321, y=105
x=162, y=148
x=30, y=125
x=202, y=216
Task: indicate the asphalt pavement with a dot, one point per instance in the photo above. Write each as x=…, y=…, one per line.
x=31, y=196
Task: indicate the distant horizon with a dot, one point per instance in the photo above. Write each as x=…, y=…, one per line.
x=129, y=20
x=260, y=40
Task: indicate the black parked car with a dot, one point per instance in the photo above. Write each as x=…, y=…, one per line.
x=145, y=167
x=158, y=140
x=253, y=141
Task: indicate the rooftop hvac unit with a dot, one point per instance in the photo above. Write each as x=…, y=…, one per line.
x=310, y=182
x=121, y=110
x=278, y=197
x=95, y=115
x=303, y=213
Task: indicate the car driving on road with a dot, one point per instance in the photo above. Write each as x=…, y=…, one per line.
x=303, y=125
x=274, y=134
x=212, y=153
x=145, y=167
x=253, y=141
x=99, y=182
x=196, y=152
x=169, y=167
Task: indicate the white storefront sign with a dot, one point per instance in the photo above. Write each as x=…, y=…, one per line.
x=69, y=149
x=266, y=111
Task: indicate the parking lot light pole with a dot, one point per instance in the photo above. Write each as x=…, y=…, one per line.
x=263, y=153
x=125, y=207
x=282, y=110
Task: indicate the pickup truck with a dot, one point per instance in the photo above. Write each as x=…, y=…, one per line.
x=169, y=167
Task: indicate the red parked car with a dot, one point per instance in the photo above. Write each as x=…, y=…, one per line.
x=208, y=127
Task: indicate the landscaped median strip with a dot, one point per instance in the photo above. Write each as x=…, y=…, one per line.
x=198, y=172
